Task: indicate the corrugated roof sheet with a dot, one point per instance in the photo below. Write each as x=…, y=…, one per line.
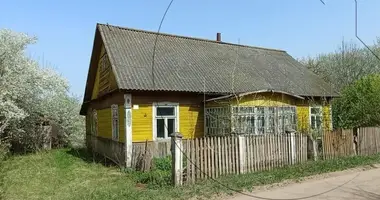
x=184, y=64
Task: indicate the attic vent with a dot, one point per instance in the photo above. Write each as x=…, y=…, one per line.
x=104, y=75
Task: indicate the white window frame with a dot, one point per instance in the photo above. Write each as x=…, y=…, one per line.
x=115, y=126
x=310, y=115
x=154, y=117
x=219, y=111
x=266, y=116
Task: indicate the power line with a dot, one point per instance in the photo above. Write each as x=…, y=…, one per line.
x=155, y=41
x=356, y=31
x=225, y=186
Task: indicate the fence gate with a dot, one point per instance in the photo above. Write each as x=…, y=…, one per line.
x=338, y=143
x=368, y=141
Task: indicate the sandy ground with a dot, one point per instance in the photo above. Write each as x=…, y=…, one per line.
x=360, y=183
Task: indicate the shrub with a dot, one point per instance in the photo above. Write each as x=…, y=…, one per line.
x=154, y=178
x=159, y=176
x=164, y=164
x=359, y=104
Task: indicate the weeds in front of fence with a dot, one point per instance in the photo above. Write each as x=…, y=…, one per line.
x=158, y=176
x=161, y=175
x=59, y=174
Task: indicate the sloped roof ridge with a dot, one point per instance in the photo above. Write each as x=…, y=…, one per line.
x=190, y=38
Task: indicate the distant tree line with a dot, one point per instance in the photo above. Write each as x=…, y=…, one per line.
x=353, y=71
x=31, y=93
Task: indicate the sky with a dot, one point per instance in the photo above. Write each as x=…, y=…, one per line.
x=65, y=29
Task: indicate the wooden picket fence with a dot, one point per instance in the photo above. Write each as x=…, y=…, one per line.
x=368, y=141
x=218, y=156
x=338, y=143
x=272, y=151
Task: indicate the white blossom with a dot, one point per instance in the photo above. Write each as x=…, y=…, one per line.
x=29, y=91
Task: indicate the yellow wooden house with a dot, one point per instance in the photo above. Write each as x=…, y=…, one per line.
x=143, y=86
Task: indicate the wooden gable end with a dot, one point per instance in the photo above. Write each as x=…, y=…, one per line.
x=105, y=81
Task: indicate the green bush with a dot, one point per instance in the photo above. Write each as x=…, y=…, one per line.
x=164, y=164
x=359, y=104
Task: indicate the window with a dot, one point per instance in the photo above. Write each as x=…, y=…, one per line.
x=218, y=120
x=251, y=120
x=165, y=120
x=269, y=120
x=115, y=122
x=286, y=118
x=316, y=117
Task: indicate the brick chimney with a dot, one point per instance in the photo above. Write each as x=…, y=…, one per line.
x=218, y=37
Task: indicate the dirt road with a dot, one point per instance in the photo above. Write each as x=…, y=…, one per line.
x=352, y=185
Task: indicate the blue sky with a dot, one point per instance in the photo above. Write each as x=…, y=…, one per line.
x=65, y=29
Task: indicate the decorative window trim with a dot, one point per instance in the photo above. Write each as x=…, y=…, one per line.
x=115, y=121
x=310, y=115
x=94, y=123
x=154, y=117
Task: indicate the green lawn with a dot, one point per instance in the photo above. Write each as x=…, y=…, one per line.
x=62, y=174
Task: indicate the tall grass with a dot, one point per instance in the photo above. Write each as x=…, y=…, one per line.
x=67, y=174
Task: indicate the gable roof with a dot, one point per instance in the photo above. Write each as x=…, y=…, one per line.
x=185, y=64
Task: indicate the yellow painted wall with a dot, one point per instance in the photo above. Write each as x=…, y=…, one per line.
x=113, y=84
x=190, y=115
x=190, y=122
x=262, y=99
x=142, y=123
x=303, y=115
x=303, y=121
x=327, y=117
x=105, y=123
x=266, y=99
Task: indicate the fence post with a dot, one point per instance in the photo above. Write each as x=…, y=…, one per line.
x=312, y=148
x=242, y=154
x=176, y=148
x=291, y=132
x=128, y=129
x=293, y=147
x=315, y=149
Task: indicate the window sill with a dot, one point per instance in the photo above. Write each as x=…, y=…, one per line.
x=162, y=139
